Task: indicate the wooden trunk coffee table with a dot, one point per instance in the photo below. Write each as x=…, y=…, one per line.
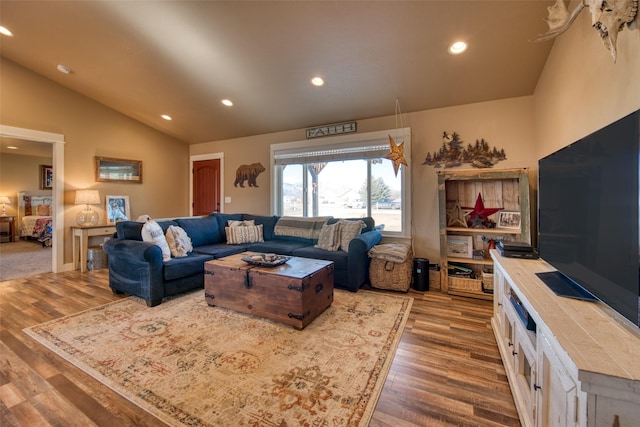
x=293, y=293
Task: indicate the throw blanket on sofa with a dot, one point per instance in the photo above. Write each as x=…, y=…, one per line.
x=394, y=252
x=293, y=226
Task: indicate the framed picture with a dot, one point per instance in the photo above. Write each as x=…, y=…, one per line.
x=509, y=220
x=460, y=246
x=117, y=208
x=109, y=169
x=46, y=177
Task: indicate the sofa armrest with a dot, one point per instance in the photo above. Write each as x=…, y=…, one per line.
x=358, y=258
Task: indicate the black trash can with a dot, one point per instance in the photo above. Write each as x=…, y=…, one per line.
x=420, y=274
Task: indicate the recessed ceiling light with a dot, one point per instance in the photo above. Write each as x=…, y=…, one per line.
x=12, y=147
x=63, y=69
x=166, y=117
x=227, y=102
x=5, y=31
x=457, y=48
x=317, y=81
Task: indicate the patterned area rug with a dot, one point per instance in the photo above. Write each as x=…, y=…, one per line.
x=191, y=364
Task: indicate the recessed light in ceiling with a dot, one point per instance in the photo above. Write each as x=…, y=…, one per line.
x=457, y=48
x=317, y=81
x=12, y=147
x=166, y=117
x=63, y=69
x=5, y=31
x=227, y=102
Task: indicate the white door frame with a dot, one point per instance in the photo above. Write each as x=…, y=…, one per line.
x=198, y=158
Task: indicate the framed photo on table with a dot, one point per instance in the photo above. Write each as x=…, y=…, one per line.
x=509, y=220
x=460, y=246
x=117, y=208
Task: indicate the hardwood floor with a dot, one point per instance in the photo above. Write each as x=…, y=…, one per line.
x=447, y=370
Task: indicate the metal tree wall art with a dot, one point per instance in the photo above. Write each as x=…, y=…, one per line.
x=453, y=153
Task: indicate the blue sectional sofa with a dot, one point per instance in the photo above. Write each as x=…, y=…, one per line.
x=137, y=267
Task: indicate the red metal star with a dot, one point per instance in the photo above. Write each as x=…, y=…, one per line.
x=479, y=216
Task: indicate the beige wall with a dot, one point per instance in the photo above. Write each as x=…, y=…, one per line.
x=20, y=173
x=30, y=101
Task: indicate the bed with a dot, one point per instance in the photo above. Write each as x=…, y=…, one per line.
x=34, y=213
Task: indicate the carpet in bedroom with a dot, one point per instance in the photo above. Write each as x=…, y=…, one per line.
x=23, y=258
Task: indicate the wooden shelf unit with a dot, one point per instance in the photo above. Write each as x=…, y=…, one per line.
x=505, y=188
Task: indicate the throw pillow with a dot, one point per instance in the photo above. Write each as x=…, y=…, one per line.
x=244, y=234
x=241, y=223
x=329, y=239
x=179, y=242
x=152, y=233
x=348, y=231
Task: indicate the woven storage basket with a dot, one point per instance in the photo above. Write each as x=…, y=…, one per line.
x=487, y=282
x=391, y=275
x=434, y=279
x=465, y=284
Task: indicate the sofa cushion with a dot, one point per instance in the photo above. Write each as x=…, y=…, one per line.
x=129, y=230
x=268, y=224
x=282, y=247
x=202, y=231
x=179, y=242
x=339, y=258
x=152, y=233
x=189, y=265
x=220, y=250
x=303, y=227
x=329, y=239
x=244, y=234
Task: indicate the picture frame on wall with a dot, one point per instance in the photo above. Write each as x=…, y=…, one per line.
x=109, y=169
x=46, y=177
x=117, y=208
x=509, y=220
x=460, y=246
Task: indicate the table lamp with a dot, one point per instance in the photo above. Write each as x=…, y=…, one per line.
x=5, y=201
x=87, y=216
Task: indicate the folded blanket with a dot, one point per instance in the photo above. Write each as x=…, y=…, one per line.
x=394, y=252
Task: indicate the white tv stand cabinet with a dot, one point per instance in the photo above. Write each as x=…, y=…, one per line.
x=581, y=365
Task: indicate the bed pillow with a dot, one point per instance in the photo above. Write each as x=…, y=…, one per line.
x=329, y=239
x=179, y=242
x=244, y=234
x=348, y=231
x=152, y=233
x=43, y=210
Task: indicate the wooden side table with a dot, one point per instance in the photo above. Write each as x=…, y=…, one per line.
x=10, y=220
x=80, y=241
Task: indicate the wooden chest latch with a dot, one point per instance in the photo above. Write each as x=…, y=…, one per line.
x=299, y=317
x=248, y=281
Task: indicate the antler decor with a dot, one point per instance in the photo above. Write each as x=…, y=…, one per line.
x=608, y=17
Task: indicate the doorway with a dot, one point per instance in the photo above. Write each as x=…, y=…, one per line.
x=206, y=184
x=57, y=143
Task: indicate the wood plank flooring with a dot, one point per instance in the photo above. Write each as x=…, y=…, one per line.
x=447, y=370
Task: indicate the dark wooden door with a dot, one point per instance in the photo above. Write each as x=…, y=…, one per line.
x=206, y=187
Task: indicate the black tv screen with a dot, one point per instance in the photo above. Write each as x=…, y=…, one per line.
x=588, y=223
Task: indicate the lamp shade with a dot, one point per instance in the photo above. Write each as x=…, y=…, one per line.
x=4, y=200
x=87, y=197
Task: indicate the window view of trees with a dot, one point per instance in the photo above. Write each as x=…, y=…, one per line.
x=344, y=189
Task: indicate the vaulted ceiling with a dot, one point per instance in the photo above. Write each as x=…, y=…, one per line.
x=181, y=58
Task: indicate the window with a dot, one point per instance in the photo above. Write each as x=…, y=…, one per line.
x=344, y=177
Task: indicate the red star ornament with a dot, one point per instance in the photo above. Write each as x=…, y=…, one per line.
x=479, y=216
x=396, y=155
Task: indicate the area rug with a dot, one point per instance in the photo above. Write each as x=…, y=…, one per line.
x=190, y=364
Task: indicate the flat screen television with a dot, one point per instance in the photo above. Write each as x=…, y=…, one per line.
x=588, y=223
